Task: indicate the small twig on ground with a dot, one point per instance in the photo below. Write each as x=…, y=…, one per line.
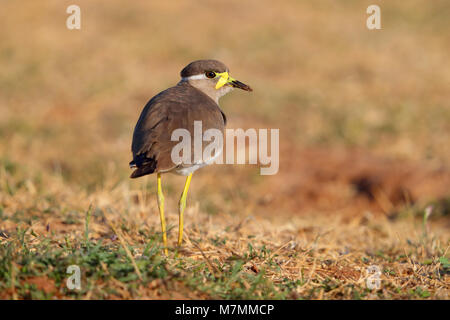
x=86, y=225
x=214, y=270
x=13, y=280
x=242, y=222
x=124, y=245
x=276, y=251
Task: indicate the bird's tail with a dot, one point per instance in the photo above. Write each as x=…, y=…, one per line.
x=142, y=171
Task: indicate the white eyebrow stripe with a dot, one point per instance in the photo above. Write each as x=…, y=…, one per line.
x=200, y=76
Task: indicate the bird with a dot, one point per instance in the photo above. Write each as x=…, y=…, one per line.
x=194, y=98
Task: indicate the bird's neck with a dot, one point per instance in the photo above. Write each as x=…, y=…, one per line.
x=213, y=93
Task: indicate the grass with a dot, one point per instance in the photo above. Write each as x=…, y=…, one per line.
x=111, y=262
x=111, y=274
x=223, y=257
x=364, y=130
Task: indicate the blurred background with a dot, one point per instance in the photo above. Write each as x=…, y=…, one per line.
x=364, y=116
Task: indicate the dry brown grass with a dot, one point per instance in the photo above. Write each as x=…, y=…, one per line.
x=312, y=256
x=364, y=122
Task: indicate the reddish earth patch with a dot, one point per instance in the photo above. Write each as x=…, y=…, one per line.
x=349, y=180
x=42, y=283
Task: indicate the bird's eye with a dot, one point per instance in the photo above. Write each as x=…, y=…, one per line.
x=210, y=74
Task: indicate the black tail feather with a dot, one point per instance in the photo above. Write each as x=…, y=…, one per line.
x=142, y=171
x=143, y=166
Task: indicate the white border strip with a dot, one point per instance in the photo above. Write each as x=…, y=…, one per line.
x=200, y=76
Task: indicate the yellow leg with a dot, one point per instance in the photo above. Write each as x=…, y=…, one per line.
x=161, y=213
x=182, y=206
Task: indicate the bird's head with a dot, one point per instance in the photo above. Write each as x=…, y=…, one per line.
x=211, y=77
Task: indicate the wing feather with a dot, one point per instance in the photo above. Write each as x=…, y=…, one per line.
x=174, y=108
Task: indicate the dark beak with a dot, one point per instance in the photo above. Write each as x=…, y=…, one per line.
x=240, y=85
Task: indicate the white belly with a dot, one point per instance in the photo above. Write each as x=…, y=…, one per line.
x=185, y=170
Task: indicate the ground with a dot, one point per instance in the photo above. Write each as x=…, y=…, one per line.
x=363, y=188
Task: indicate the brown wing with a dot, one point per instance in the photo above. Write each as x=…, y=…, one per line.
x=175, y=108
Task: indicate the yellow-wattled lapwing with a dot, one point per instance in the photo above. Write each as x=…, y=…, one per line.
x=194, y=98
